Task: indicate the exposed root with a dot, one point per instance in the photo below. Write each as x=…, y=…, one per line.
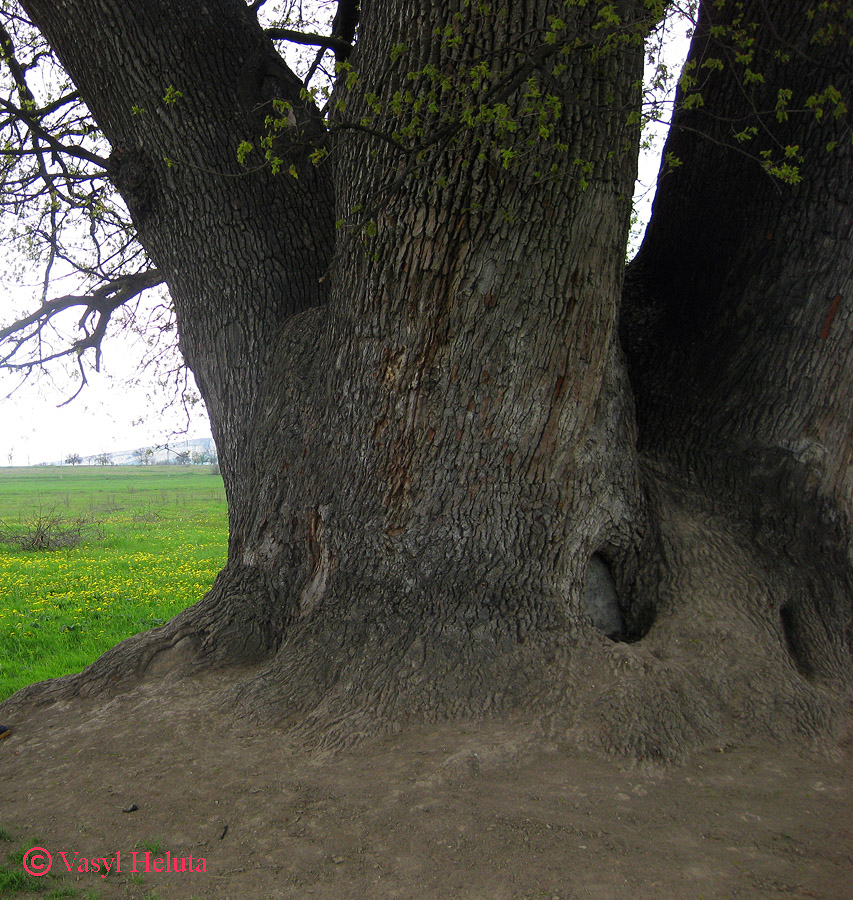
x=726, y=661
x=748, y=643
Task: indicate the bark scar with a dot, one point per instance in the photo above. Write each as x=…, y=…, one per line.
x=322, y=557
x=833, y=309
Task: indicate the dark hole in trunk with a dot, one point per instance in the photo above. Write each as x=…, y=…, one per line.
x=794, y=640
x=601, y=599
x=608, y=609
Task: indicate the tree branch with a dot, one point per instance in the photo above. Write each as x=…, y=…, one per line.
x=31, y=117
x=330, y=42
x=345, y=24
x=17, y=70
x=99, y=305
x=31, y=121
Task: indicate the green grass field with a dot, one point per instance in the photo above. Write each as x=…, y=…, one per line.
x=156, y=538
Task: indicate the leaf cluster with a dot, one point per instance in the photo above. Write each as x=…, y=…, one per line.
x=761, y=57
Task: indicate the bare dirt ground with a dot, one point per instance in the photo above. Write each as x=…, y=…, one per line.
x=467, y=812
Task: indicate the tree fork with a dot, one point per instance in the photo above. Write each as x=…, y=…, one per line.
x=425, y=450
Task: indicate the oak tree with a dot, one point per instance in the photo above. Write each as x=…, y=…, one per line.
x=474, y=465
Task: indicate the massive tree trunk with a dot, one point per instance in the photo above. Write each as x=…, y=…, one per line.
x=424, y=417
x=469, y=441
x=738, y=326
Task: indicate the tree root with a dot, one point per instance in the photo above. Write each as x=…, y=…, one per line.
x=744, y=645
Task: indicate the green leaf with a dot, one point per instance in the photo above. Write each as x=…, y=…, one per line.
x=243, y=150
x=172, y=95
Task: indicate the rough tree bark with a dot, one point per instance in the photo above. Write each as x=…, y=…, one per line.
x=426, y=427
x=738, y=326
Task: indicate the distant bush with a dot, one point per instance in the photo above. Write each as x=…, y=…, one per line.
x=50, y=531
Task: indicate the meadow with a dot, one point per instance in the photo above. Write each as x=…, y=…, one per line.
x=152, y=539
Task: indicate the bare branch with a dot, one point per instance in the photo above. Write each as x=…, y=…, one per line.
x=314, y=65
x=330, y=41
x=17, y=70
x=83, y=382
x=27, y=113
x=98, y=307
x=31, y=121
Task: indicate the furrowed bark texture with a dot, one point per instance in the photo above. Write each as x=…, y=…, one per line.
x=424, y=416
x=243, y=250
x=473, y=447
x=749, y=281
x=738, y=326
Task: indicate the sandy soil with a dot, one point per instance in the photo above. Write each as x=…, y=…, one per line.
x=463, y=812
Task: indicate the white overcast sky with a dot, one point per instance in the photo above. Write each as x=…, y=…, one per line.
x=110, y=414
x=113, y=413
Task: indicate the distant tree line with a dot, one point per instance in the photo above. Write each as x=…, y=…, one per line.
x=146, y=456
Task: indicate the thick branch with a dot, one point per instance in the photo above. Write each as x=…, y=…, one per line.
x=329, y=41
x=346, y=23
x=734, y=339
